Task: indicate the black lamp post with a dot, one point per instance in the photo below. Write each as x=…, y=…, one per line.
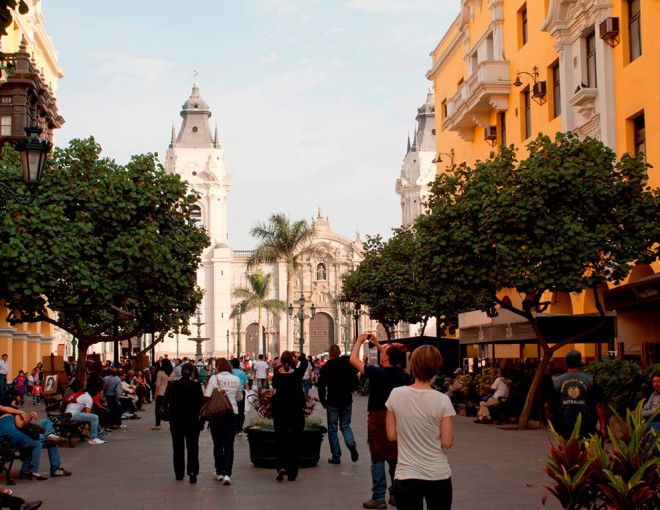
x=346, y=312
x=33, y=156
x=356, y=317
x=239, y=310
x=300, y=315
x=227, y=344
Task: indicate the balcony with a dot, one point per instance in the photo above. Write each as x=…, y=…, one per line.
x=486, y=90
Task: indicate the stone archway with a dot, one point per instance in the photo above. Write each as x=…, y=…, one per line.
x=321, y=334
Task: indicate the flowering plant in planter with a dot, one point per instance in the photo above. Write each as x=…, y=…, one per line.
x=263, y=404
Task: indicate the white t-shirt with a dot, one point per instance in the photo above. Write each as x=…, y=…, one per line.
x=261, y=367
x=228, y=382
x=500, y=387
x=83, y=402
x=418, y=416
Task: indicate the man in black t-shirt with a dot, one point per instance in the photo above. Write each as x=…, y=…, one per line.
x=576, y=393
x=382, y=380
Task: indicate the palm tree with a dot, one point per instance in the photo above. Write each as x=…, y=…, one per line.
x=283, y=241
x=256, y=296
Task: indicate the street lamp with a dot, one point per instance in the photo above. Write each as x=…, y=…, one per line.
x=300, y=315
x=33, y=156
x=346, y=312
x=227, y=344
x=239, y=310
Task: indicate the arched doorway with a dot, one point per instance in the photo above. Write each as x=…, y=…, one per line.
x=252, y=339
x=321, y=334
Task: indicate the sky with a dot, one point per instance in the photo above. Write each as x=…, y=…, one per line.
x=313, y=99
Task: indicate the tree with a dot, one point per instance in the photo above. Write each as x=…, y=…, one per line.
x=104, y=246
x=256, y=296
x=393, y=283
x=568, y=218
x=283, y=241
x=6, y=17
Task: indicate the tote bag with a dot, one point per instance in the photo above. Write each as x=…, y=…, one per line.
x=217, y=406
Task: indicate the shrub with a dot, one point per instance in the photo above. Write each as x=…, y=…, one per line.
x=621, y=383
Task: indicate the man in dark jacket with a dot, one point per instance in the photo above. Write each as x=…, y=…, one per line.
x=340, y=379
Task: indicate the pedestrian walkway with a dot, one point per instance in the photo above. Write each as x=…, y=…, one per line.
x=493, y=468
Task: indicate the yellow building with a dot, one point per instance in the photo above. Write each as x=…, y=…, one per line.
x=508, y=70
x=28, y=85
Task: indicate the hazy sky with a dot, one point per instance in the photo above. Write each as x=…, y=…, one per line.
x=313, y=99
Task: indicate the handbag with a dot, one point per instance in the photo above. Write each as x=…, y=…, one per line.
x=164, y=410
x=217, y=406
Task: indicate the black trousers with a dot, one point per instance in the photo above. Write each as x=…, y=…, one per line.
x=185, y=437
x=410, y=494
x=223, y=432
x=288, y=436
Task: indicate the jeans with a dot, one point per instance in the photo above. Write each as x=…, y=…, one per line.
x=410, y=494
x=379, y=478
x=223, y=432
x=53, y=450
x=115, y=411
x=307, y=384
x=30, y=448
x=262, y=384
x=339, y=416
x=90, y=418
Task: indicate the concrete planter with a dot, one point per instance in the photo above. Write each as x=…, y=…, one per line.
x=261, y=440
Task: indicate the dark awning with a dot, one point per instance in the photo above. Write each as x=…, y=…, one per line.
x=643, y=293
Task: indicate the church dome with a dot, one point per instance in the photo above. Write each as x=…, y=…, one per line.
x=195, y=101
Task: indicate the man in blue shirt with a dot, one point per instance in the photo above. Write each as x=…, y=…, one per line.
x=238, y=372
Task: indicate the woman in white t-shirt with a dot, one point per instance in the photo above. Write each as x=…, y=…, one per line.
x=420, y=419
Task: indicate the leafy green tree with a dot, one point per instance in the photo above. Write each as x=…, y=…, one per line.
x=284, y=241
x=393, y=283
x=256, y=296
x=568, y=218
x=102, y=245
x=6, y=17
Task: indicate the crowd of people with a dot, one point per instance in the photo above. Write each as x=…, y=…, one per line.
x=409, y=418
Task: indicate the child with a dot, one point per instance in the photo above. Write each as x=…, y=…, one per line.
x=21, y=384
x=37, y=392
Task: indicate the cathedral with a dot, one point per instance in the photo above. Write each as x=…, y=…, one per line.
x=195, y=153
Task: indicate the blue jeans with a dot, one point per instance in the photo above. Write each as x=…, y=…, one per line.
x=90, y=418
x=307, y=385
x=30, y=448
x=339, y=416
x=53, y=450
x=379, y=478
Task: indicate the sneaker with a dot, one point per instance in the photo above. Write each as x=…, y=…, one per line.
x=135, y=417
x=122, y=426
x=226, y=480
x=60, y=471
x=334, y=461
x=30, y=505
x=125, y=416
x=375, y=503
x=239, y=433
x=391, y=500
x=354, y=453
x=96, y=441
x=55, y=440
x=157, y=427
x=280, y=475
x=219, y=478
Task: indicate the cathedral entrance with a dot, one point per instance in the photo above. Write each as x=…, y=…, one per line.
x=321, y=334
x=252, y=339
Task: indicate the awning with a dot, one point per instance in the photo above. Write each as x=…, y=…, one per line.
x=509, y=328
x=640, y=294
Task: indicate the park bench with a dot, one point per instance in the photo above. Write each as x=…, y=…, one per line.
x=62, y=421
x=8, y=455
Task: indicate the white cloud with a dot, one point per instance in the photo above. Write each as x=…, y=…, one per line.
x=334, y=31
x=273, y=56
x=428, y=6
x=124, y=67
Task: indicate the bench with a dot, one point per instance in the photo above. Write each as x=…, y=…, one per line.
x=8, y=455
x=64, y=425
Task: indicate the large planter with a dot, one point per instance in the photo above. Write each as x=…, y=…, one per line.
x=261, y=440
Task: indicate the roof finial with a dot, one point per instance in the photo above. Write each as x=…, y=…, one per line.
x=195, y=74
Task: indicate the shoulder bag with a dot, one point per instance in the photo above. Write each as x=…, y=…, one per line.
x=217, y=406
x=164, y=409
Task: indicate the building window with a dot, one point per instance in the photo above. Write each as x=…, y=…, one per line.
x=321, y=273
x=5, y=125
x=635, y=28
x=556, y=91
x=501, y=117
x=196, y=215
x=590, y=42
x=639, y=127
x=523, y=25
x=527, y=109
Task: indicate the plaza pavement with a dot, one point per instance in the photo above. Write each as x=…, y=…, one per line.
x=493, y=468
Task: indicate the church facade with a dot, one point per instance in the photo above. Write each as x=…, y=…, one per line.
x=195, y=153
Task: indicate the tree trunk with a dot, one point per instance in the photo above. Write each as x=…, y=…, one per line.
x=523, y=421
x=261, y=341
x=289, y=326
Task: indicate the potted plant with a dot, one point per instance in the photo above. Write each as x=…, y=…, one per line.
x=261, y=434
